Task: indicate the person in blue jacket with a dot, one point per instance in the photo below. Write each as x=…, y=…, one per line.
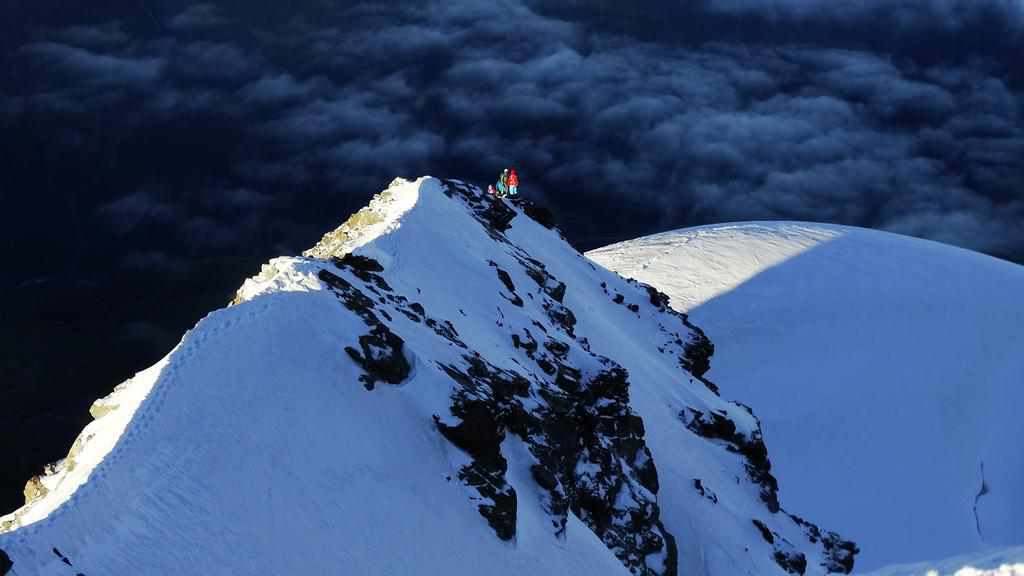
x=502, y=187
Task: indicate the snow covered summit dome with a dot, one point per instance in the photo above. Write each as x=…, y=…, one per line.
x=888, y=372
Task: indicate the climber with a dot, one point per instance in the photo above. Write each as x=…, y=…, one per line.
x=513, y=182
x=502, y=186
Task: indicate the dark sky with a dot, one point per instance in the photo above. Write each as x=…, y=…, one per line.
x=154, y=152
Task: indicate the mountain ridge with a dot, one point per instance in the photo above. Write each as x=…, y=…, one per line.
x=504, y=357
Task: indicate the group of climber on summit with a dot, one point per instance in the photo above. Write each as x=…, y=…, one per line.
x=508, y=184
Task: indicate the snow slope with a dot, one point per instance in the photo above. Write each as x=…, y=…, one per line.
x=884, y=368
x=441, y=386
x=995, y=562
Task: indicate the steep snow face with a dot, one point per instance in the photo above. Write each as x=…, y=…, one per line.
x=887, y=371
x=442, y=385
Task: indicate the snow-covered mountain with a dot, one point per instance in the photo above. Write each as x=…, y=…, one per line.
x=994, y=562
x=441, y=386
x=886, y=370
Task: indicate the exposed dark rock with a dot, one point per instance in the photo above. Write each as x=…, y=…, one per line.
x=499, y=216
x=765, y=532
x=559, y=349
x=705, y=492
x=382, y=358
x=383, y=352
x=544, y=478
x=813, y=532
x=592, y=459
x=790, y=560
x=502, y=384
x=561, y=316
x=558, y=292
x=531, y=262
x=62, y=557
x=480, y=434
x=658, y=299
x=709, y=385
x=535, y=271
x=5, y=563
x=484, y=406
x=697, y=349
x=579, y=426
x=784, y=554
x=717, y=426
x=710, y=425
x=410, y=315
x=590, y=428
x=634, y=308
x=697, y=353
x=495, y=216
x=446, y=330
x=365, y=268
x=352, y=298
x=539, y=274
x=528, y=344
x=358, y=263
x=509, y=285
x=568, y=379
x=839, y=553
x=504, y=277
x=540, y=214
x=646, y=472
x=619, y=299
x=546, y=365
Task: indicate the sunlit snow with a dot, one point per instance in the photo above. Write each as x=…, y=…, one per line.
x=887, y=371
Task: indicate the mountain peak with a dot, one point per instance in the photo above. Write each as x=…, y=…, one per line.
x=441, y=385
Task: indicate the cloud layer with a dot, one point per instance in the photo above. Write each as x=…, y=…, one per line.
x=310, y=111
x=948, y=14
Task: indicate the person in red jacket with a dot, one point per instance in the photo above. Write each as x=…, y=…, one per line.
x=513, y=182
